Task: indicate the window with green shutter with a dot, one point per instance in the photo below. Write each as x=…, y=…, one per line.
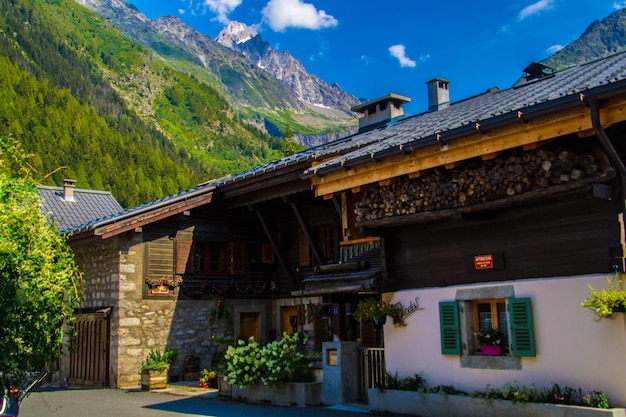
x=522, y=331
x=449, y=326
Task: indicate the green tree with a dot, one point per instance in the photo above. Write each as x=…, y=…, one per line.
x=39, y=279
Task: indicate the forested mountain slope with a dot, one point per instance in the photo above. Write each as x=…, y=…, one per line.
x=82, y=97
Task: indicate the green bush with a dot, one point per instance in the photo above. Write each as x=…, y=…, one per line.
x=510, y=391
x=287, y=359
x=159, y=361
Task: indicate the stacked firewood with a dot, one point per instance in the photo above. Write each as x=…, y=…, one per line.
x=477, y=182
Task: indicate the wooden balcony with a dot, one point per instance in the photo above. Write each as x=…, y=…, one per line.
x=349, y=249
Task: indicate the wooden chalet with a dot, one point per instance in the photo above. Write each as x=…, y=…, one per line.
x=494, y=211
x=498, y=211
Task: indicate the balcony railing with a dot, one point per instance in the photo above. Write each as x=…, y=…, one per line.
x=349, y=249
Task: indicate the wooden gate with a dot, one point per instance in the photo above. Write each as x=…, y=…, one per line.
x=89, y=350
x=372, y=371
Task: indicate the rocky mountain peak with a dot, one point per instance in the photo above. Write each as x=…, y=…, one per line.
x=235, y=33
x=282, y=65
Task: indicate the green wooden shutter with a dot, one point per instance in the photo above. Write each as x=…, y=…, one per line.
x=522, y=331
x=449, y=322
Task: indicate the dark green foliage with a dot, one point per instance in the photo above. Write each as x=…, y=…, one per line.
x=415, y=383
x=39, y=279
x=79, y=95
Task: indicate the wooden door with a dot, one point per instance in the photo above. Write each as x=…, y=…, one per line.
x=89, y=350
x=249, y=326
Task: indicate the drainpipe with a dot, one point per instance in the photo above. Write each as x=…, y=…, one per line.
x=608, y=148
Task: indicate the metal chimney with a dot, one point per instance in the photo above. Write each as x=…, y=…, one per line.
x=438, y=94
x=68, y=189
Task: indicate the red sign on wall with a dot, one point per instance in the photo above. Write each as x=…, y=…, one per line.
x=483, y=261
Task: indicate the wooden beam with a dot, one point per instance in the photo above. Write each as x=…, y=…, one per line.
x=152, y=216
x=385, y=182
x=345, y=220
x=489, y=156
x=474, y=145
x=586, y=133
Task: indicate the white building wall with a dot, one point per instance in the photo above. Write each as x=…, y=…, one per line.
x=572, y=348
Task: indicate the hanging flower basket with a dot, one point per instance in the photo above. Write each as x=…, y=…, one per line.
x=606, y=302
x=376, y=312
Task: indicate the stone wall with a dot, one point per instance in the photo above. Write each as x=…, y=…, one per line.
x=98, y=260
x=113, y=272
x=148, y=323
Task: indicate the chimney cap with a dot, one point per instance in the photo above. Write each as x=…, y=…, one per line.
x=68, y=189
x=360, y=108
x=437, y=79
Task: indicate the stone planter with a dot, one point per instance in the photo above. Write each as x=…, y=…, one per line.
x=298, y=394
x=223, y=387
x=153, y=380
x=435, y=405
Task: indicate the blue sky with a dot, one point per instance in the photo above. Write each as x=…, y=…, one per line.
x=371, y=48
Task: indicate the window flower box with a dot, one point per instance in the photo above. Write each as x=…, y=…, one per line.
x=493, y=350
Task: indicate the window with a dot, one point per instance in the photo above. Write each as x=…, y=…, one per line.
x=326, y=242
x=209, y=258
x=491, y=314
x=304, y=250
x=514, y=314
x=237, y=258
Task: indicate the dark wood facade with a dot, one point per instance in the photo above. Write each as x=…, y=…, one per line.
x=567, y=235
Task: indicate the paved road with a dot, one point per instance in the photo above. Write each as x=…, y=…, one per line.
x=115, y=403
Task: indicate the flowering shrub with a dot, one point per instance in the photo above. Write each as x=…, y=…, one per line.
x=605, y=302
x=489, y=337
x=243, y=363
x=287, y=359
x=371, y=310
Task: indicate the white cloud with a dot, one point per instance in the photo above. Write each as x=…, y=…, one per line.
x=282, y=14
x=554, y=48
x=366, y=59
x=535, y=8
x=181, y=11
x=619, y=5
x=222, y=8
x=399, y=52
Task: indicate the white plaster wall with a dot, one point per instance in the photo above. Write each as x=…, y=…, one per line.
x=572, y=348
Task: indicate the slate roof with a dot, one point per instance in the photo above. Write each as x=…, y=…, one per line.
x=488, y=109
x=87, y=206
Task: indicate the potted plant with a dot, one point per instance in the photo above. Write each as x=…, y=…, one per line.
x=208, y=378
x=171, y=356
x=191, y=363
x=606, y=302
x=154, y=370
x=490, y=341
x=376, y=312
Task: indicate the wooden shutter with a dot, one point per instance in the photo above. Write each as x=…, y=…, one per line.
x=237, y=258
x=267, y=254
x=184, y=262
x=449, y=326
x=304, y=250
x=160, y=257
x=522, y=330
